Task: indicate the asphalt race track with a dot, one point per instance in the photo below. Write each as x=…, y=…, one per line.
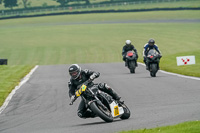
x=41, y=105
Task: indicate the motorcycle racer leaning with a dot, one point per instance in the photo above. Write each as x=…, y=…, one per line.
x=148, y=46
x=128, y=47
x=78, y=77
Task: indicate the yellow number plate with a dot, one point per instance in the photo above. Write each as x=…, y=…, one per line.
x=81, y=90
x=116, y=111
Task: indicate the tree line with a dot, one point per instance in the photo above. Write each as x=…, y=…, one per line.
x=14, y=3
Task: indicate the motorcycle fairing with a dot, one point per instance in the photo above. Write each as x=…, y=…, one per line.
x=130, y=54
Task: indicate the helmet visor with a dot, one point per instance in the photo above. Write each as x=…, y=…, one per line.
x=151, y=43
x=74, y=74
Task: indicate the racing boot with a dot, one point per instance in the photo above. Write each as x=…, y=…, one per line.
x=87, y=114
x=116, y=97
x=112, y=93
x=105, y=88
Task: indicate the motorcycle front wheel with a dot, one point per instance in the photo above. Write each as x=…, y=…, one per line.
x=102, y=113
x=153, y=70
x=132, y=66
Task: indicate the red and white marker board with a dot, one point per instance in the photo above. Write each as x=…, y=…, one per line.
x=185, y=60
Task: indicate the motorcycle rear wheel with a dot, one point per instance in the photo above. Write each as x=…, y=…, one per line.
x=127, y=112
x=105, y=115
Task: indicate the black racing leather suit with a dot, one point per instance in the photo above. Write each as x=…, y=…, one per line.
x=84, y=76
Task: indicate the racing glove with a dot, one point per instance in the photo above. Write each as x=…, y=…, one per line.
x=73, y=98
x=160, y=55
x=94, y=75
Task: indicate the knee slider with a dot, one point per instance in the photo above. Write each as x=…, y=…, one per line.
x=104, y=86
x=80, y=114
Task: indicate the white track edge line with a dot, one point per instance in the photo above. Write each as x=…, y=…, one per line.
x=179, y=75
x=24, y=80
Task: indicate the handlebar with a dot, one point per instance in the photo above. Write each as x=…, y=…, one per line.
x=71, y=103
x=86, y=83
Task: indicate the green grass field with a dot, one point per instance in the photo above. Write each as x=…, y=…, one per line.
x=55, y=40
x=186, y=127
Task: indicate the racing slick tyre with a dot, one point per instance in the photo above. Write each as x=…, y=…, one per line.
x=127, y=112
x=132, y=66
x=153, y=70
x=102, y=113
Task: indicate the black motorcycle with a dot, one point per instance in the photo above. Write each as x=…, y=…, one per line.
x=153, y=60
x=100, y=103
x=131, y=61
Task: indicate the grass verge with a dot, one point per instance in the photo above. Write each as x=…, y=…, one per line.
x=169, y=64
x=186, y=127
x=10, y=77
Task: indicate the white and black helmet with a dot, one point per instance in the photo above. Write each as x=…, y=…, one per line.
x=128, y=42
x=74, y=71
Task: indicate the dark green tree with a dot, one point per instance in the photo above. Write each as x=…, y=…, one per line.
x=0, y=1
x=65, y=2
x=10, y=3
x=62, y=2
x=87, y=1
x=25, y=3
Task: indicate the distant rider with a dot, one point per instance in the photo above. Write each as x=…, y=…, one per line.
x=128, y=47
x=78, y=77
x=148, y=46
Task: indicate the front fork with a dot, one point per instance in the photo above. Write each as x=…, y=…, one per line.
x=97, y=101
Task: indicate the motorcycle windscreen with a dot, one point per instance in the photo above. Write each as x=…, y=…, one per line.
x=152, y=52
x=116, y=110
